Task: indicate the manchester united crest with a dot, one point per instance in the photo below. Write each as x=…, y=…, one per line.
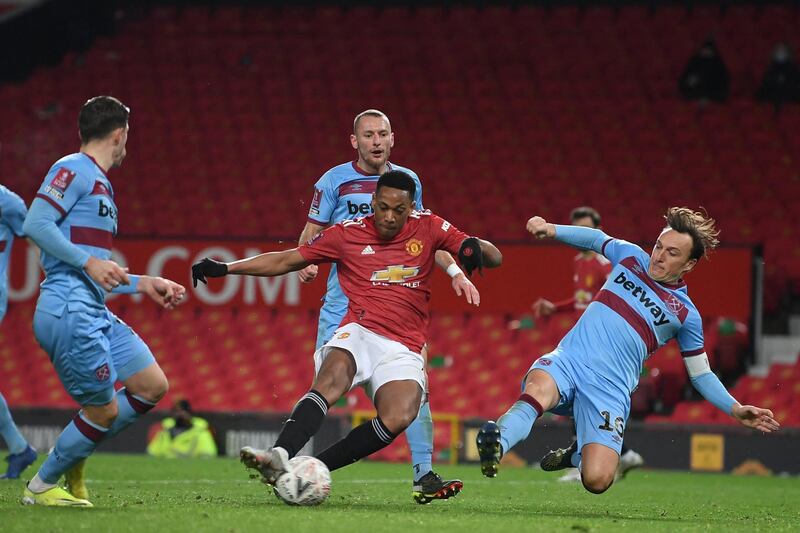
x=414, y=247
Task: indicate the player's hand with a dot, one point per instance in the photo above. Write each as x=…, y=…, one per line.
x=164, y=292
x=755, y=417
x=462, y=285
x=540, y=229
x=308, y=274
x=542, y=307
x=470, y=255
x=207, y=268
x=106, y=273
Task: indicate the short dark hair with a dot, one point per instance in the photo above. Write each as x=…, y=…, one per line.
x=583, y=212
x=100, y=116
x=397, y=179
x=369, y=113
x=700, y=226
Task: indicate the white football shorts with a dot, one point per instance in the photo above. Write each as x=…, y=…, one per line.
x=379, y=360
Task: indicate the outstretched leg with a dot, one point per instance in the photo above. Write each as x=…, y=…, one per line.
x=494, y=439
x=334, y=378
x=397, y=403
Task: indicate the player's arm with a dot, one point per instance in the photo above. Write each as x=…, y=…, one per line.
x=310, y=231
x=712, y=389
x=690, y=340
x=460, y=283
x=580, y=237
x=492, y=258
x=164, y=292
x=475, y=253
x=13, y=211
x=584, y=238
x=544, y=307
x=40, y=226
x=267, y=264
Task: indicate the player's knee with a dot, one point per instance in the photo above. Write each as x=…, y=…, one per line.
x=160, y=389
x=398, y=418
x=597, y=482
x=154, y=389
x=102, y=415
x=331, y=386
x=398, y=422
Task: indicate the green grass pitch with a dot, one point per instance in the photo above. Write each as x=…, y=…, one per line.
x=137, y=493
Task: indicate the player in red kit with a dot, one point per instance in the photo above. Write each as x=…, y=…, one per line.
x=384, y=264
x=591, y=270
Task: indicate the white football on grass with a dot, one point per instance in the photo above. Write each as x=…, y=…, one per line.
x=307, y=482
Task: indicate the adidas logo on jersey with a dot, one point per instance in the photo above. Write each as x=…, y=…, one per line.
x=368, y=250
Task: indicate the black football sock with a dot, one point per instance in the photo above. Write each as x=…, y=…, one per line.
x=303, y=423
x=624, y=450
x=362, y=441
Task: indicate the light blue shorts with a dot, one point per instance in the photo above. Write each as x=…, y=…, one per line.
x=600, y=408
x=90, y=349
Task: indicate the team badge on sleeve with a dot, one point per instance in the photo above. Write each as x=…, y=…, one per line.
x=414, y=247
x=60, y=182
x=315, y=201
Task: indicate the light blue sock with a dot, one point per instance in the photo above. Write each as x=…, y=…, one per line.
x=130, y=407
x=76, y=442
x=420, y=440
x=516, y=424
x=15, y=442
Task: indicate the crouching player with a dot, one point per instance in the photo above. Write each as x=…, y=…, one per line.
x=596, y=366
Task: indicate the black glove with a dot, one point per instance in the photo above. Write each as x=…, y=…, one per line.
x=470, y=255
x=207, y=268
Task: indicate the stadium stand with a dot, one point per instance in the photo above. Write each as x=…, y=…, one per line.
x=237, y=110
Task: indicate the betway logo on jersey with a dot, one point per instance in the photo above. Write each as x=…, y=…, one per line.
x=642, y=295
x=358, y=209
x=395, y=274
x=104, y=210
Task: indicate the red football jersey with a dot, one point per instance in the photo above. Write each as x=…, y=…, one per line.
x=590, y=275
x=387, y=282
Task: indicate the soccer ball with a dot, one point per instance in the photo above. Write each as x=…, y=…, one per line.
x=308, y=482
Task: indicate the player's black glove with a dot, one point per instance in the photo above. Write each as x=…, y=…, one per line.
x=207, y=268
x=470, y=255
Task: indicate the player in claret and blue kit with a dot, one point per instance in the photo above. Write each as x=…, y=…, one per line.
x=73, y=219
x=596, y=366
x=12, y=215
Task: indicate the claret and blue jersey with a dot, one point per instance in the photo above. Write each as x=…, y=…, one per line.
x=632, y=315
x=12, y=215
x=344, y=193
x=82, y=198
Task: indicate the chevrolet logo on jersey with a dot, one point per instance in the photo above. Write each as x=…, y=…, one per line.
x=395, y=274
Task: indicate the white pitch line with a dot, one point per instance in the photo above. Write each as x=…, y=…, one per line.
x=340, y=481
